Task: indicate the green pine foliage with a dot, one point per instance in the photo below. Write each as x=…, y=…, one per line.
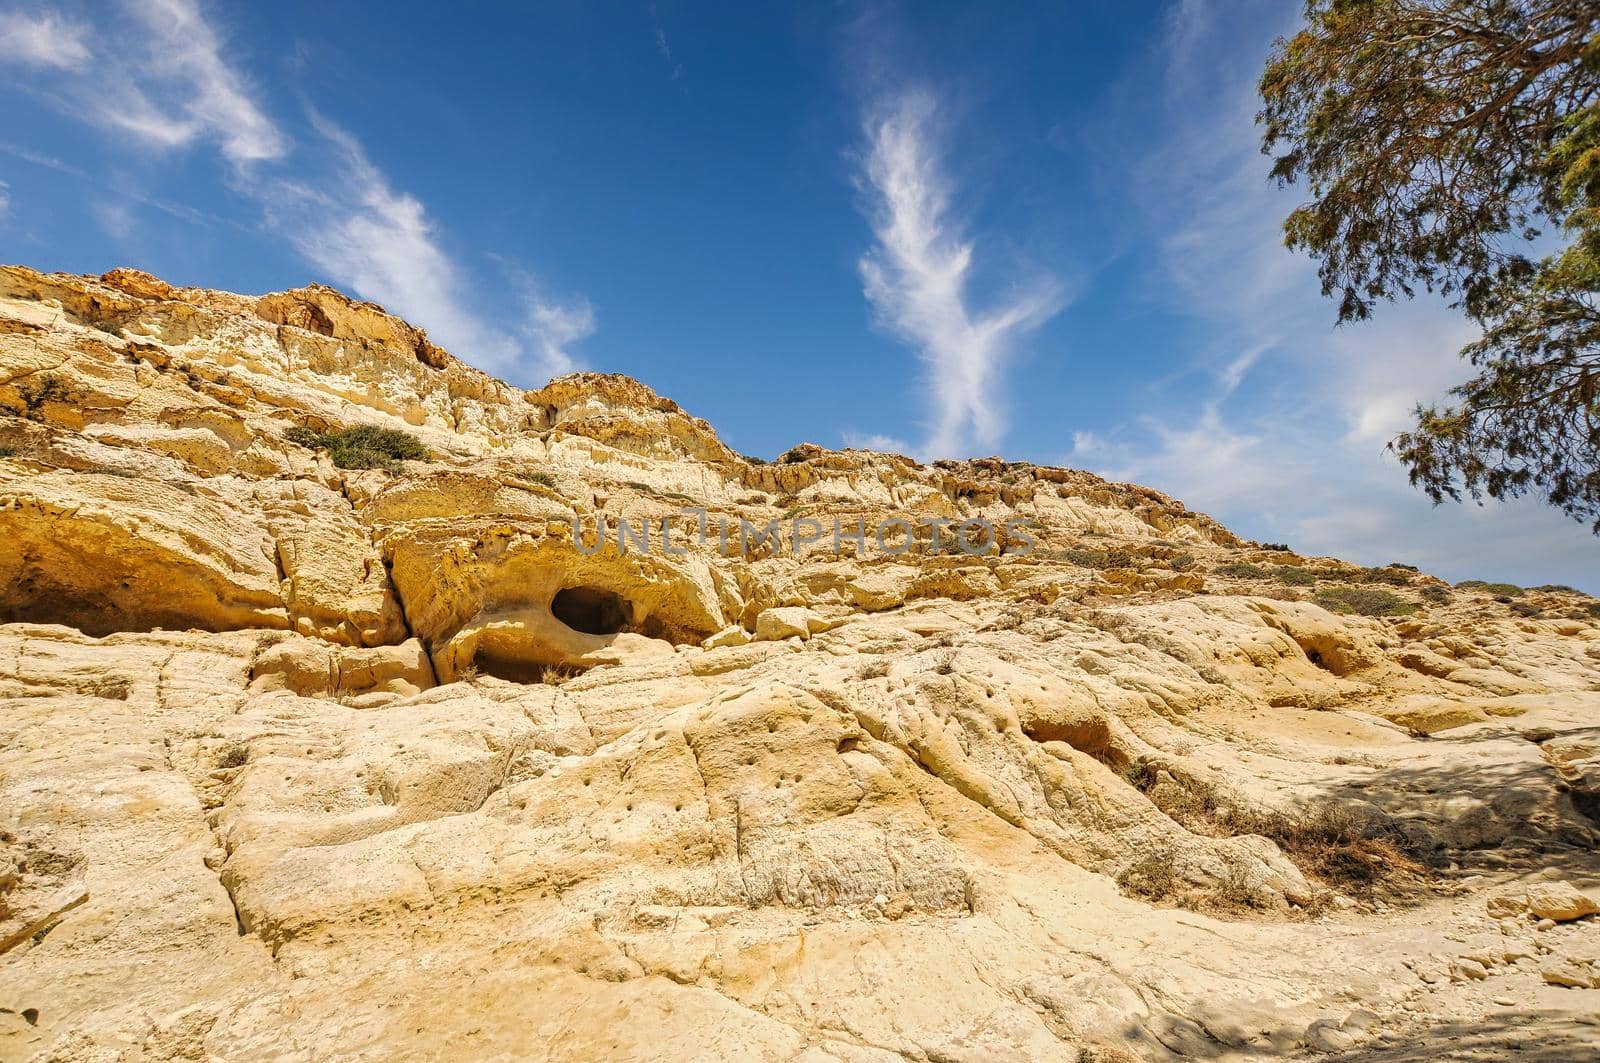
x=1436, y=139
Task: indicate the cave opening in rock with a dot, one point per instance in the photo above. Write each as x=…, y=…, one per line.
x=1092, y=736
x=511, y=669
x=101, y=601
x=591, y=610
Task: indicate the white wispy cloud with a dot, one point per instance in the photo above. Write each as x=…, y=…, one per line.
x=554, y=328
x=916, y=278
x=131, y=195
x=551, y=325
x=45, y=40
x=1215, y=465
x=49, y=162
x=663, y=46
x=381, y=244
x=162, y=74
x=5, y=200
x=157, y=71
x=115, y=218
x=184, y=88
x=875, y=441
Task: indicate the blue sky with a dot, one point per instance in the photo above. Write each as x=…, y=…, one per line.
x=1039, y=230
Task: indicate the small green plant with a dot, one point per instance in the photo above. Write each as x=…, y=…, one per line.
x=1139, y=774
x=543, y=479
x=1393, y=575
x=46, y=389
x=1498, y=590
x=1181, y=562
x=1294, y=577
x=1557, y=588
x=751, y=459
x=1241, y=570
x=362, y=447
x=7, y=451
x=1594, y=610
x=235, y=756
x=1366, y=601
x=1434, y=594
x=100, y=469
x=1527, y=609
x=676, y=496
x=1151, y=877
x=1096, y=558
x=1282, y=548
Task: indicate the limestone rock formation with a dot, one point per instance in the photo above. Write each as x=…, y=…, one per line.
x=437, y=759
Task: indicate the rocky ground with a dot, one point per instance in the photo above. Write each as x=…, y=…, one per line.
x=302, y=761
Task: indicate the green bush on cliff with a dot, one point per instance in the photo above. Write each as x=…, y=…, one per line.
x=1499, y=590
x=1294, y=577
x=362, y=447
x=1367, y=601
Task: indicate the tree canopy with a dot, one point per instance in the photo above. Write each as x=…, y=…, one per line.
x=1440, y=141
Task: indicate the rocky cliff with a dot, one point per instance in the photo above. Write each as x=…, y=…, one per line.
x=312, y=749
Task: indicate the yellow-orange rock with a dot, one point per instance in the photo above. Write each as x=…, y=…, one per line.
x=305, y=762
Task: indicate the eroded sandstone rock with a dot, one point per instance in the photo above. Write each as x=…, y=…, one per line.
x=299, y=761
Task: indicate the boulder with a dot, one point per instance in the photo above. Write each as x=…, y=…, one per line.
x=1560, y=901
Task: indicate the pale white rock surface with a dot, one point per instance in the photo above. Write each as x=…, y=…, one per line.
x=308, y=762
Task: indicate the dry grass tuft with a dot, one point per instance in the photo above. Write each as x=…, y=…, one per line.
x=1151, y=877
x=556, y=674
x=1331, y=843
x=1328, y=842
x=873, y=670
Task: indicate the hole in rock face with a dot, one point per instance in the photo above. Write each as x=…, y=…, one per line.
x=511, y=669
x=103, y=605
x=1091, y=736
x=591, y=610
